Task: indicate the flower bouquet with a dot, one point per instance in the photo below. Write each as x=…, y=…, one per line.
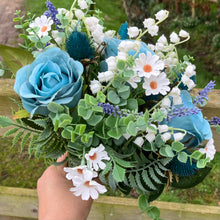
x=121, y=108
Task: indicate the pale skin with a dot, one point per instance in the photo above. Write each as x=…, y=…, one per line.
x=56, y=202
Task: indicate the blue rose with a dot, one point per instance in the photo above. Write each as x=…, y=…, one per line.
x=52, y=77
x=197, y=128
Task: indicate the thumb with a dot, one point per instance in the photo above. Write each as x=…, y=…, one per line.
x=60, y=159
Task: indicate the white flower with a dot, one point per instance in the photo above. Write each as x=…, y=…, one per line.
x=133, y=32
x=178, y=136
x=148, y=22
x=183, y=34
x=190, y=70
x=56, y=36
x=95, y=86
x=66, y=13
x=134, y=80
x=166, y=136
x=82, y=4
x=188, y=82
x=98, y=34
x=91, y=23
x=161, y=15
x=87, y=189
x=44, y=25
x=209, y=149
x=79, y=14
x=163, y=128
x=112, y=64
x=126, y=136
x=109, y=34
x=166, y=103
x=159, y=46
x=139, y=141
x=153, y=30
x=105, y=76
x=162, y=39
x=95, y=157
x=151, y=47
x=148, y=65
x=174, y=38
x=156, y=84
x=177, y=100
x=175, y=92
x=78, y=174
x=127, y=45
x=150, y=136
x=122, y=56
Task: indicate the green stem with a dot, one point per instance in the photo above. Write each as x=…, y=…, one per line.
x=28, y=129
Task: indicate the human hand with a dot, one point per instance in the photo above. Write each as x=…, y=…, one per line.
x=56, y=202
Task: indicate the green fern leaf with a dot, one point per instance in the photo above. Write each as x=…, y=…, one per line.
x=107, y=168
x=147, y=180
x=153, y=175
x=158, y=171
x=17, y=137
x=24, y=140
x=138, y=180
x=165, y=161
x=111, y=181
x=10, y=132
x=32, y=146
x=123, y=163
x=161, y=166
x=5, y=122
x=132, y=181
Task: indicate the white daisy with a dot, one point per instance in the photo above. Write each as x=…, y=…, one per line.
x=156, y=84
x=134, y=80
x=209, y=149
x=87, y=189
x=148, y=65
x=44, y=25
x=78, y=174
x=95, y=157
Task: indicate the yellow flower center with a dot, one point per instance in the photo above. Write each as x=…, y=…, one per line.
x=87, y=184
x=80, y=171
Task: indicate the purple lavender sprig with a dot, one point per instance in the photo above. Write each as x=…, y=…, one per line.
x=203, y=95
x=110, y=109
x=214, y=121
x=182, y=112
x=52, y=12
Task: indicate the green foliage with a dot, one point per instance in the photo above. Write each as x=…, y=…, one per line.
x=15, y=58
x=5, y=122
x=216, y=42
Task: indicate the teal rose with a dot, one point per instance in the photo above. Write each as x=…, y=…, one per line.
x=53, y=77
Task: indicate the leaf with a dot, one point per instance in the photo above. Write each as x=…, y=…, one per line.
x=132, y=181
x=178, y=146
x=17, y=137
x=147, y=180
x=113, y=97
x=15, y=58
x=143, y=201
x=55, y=107
x=24, y=140
x=132, y=104
x=124, y=92
x=107, y=168
x=153, y=212
x=185, y=182
x=94, y=119
x=131, y=128
x=111, y=181
x=128, y=73
x=10, y=132
x=182, y=157
x=121, y=64
x=100, y=97
x=159, y=172
x=5, y=122
x=21, y=114
x=196, y=155
x=123, y=163
x=139, y=184
x=118, y=173
x=153, y=176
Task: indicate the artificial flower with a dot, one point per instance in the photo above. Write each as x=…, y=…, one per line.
x=133, y=32
x=161, y=15
x=82, y=4
x=44, y=25
x=79, y=14
x=95, y=86
x=153, y=30
x=148, y=22
x=183, y=34
x=52, y=77
x=156, y=84
x=148, y=65
x=139, y=141
x=174, y=38
x=95, y=157
x=166, y=136
x=178, y=136
x=163, y=128
x=209, y=149
x=105, y=76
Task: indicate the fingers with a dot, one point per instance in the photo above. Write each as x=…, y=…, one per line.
x=60, y=159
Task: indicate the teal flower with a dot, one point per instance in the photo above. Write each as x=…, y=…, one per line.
x=52, y=77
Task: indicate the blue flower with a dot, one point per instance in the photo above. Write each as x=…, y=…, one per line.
x=197, y=128
x=52, y=77
x=112, y=48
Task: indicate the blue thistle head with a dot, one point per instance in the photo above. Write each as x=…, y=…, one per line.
x=123, y=31
x=79, y=46
x=182, y=169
